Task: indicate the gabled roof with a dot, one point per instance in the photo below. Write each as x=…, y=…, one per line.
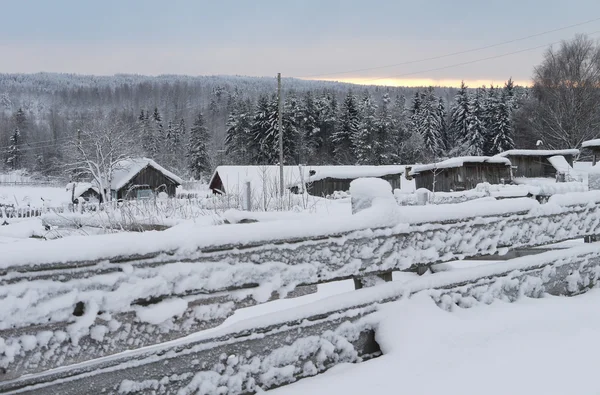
x=353, y=172
x=538, y=152
x=80, y=188
x=458, y=162
x=591, y=143
x=233, y=178
x=129, y=168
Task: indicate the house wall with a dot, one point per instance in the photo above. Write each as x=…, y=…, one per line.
x=327, y=186
x=534, y=166
x=148, y=178
x=462, y=178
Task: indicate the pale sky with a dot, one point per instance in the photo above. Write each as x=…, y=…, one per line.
x=310, y=38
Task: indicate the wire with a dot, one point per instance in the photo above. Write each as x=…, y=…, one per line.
x=471, y=61
x=455, y=53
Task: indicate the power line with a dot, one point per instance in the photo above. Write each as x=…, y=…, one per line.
x=471, y=61
x=455, y=53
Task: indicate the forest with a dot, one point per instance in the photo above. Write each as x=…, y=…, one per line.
x=192, y=124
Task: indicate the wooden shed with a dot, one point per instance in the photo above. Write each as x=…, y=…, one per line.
x=462, y=173
x=538, y=163
x=83, y=191
x=142, y=178
x=325, y=180
x=592, y=146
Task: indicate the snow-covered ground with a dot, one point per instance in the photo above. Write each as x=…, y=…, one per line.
x=34, y=196
x=534, y=346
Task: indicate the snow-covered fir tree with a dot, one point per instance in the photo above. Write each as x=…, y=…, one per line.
x=502, y=140
x=382, y=154
x=198, y=157
x=459, y=123
x=364, y=139
x=14, y=150
x=476, y=141
x=344, y=136
x=430, y=123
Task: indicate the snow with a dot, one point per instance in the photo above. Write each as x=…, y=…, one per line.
x=538, y=152
x=261, y=178
x=162, y=311
x=34, y=196
x=590, y=143
x=533, y=346
x=560, y=164
x=80, y=188
x=266, y=178
x=353, y=172
x=127, y=169
x=188, y=237
x=458, y=162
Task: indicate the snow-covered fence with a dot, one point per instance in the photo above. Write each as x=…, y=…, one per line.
x=277, y=349
x=63, y=305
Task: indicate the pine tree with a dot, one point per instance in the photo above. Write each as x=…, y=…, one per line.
x=364, y=141
x=384, y=130
x=430, y=123
x=490, y=111
x=502, y=140
x=198, y=159
x=14, y=151
x=459, y=124
x=343, y=137
x=238, y=141
x=443, y=128
x=476, y=141
x=306, y=118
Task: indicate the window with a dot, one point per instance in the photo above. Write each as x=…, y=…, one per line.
x=143, y=193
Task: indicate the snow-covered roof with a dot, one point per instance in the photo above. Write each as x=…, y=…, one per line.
x=353, y=172
x=538, y=152
x=560, y=164
x=458, y=162
x=129, y=168
x=591, y=143
x=80, y=188
x=234, y=177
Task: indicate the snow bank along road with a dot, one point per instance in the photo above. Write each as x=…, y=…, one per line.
x=536, y=346
x=125, y=302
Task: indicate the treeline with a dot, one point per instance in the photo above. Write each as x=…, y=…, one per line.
x=192, y=124
x=317, y=129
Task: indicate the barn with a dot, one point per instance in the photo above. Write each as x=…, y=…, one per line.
x=540, y=163
x=232, y=179
x=462, y=173
x=318, y=180
x=594, y=147
x=142, y=178
x=325, y=180
x=83, y=191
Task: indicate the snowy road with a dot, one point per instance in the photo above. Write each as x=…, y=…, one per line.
x=535, y=346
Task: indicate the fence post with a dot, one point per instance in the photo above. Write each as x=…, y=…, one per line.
x=248, y=191
x=363, y=192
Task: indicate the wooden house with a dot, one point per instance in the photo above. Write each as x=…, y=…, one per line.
x=540, y=163
x=83, y=192
x=316, y=180
x=232, y=179
x=142, y=178
x=462, y=173
x=325, y=180
x=592, y=146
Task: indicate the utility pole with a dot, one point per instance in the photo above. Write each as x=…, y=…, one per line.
x=279, y=114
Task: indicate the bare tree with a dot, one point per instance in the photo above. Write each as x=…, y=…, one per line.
x=566, y=93
x=98, y=151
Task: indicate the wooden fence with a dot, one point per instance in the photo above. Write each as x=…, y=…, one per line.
x=211, y=280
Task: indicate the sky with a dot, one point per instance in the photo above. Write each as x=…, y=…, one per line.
x=343, y=40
